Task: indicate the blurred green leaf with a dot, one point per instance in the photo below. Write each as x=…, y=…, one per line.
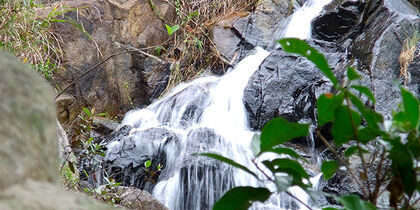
x=283, y=182
x=403, y=166
x=353, y=202
x=352, y=150
x=278, y=131
x=326, y=105
x=228, y=161
x=411, y=107
x=290, y=167
x=294, y=45
x=364, y=90
x=147, y=164
x=256, y=144
x=240, y=198
x=329, y=168
x=287, y=151
x=342, y=128
x=352, y=74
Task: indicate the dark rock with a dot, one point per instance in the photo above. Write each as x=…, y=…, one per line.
x=126, y=155
x=287, y=85
x=338, y=18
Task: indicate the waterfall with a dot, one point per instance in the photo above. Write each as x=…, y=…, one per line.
x=299, y=25
x=204, y=115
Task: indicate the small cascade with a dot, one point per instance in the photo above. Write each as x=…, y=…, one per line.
x=299, y=25
x=204, y=115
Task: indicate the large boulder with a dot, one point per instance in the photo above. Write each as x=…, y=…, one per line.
x=28, y=143
x=374, y=33
x=125, y=80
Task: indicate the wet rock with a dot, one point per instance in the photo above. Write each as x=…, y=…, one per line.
x=126, y=155
x=338, y=19
x=287, y=85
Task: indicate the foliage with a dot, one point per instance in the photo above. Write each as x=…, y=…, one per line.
x=190, y=47
x=407, y=53
x=393, y=163
x=29, y=37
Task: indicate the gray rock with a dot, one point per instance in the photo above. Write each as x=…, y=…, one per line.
x=28, y=139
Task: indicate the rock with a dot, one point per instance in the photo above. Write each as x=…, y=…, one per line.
x=126, y=155
x=338, y=19
x=28, y=139
x=379, y=48
x=238, y=30
x=288, y=88
x=129, y=197
x=127, y=80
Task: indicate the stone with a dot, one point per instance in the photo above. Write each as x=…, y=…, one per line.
x=124, y=81
x=28, y=139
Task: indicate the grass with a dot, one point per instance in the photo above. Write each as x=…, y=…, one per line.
x=407, y=54
x=190, y=47
x=29, y=36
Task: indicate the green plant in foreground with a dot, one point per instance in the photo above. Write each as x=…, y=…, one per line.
x=396, y=153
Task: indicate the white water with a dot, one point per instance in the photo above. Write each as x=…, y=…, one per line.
x=300, y=22
x=208, y=115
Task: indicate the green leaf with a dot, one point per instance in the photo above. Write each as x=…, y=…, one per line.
x=330, y=208
x=278, y=131
x=287, y=151
x=364, y=90
x=402, y=165
x=87, y=111
x=329, y=168
x=283, y=182
x=353, y=202
x=294, y=45
x=228, y=161
x=352, y=74
x=172, y=29
x=326, y=105
x=290, y=167
x=256, y=144
x=367, y=134
x=147, y=164
x=352, y=150
x=240, y=198
x=342, y=128
x=411, y=107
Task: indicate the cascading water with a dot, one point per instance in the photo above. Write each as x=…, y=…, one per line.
x=205, y=115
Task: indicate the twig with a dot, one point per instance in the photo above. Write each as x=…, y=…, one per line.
x=272, y=180
x=91, y=69
x=358, y=144
x=342, y=161
x=131, y=49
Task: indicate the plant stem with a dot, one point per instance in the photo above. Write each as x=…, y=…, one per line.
x=358, y=144
x=343, y=162
x=272, y=180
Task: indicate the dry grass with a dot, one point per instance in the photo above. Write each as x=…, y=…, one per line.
x=407, y=55
x=28, y=37
x=191, y=48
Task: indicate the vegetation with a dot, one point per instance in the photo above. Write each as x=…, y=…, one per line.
x=407, y=54
x=190, y=47
x=392, y=165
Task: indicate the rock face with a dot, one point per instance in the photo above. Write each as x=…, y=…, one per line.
x=243, y=30
x=28, y=139
x=288, y=85
x=374, y=34
x=126, y=80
